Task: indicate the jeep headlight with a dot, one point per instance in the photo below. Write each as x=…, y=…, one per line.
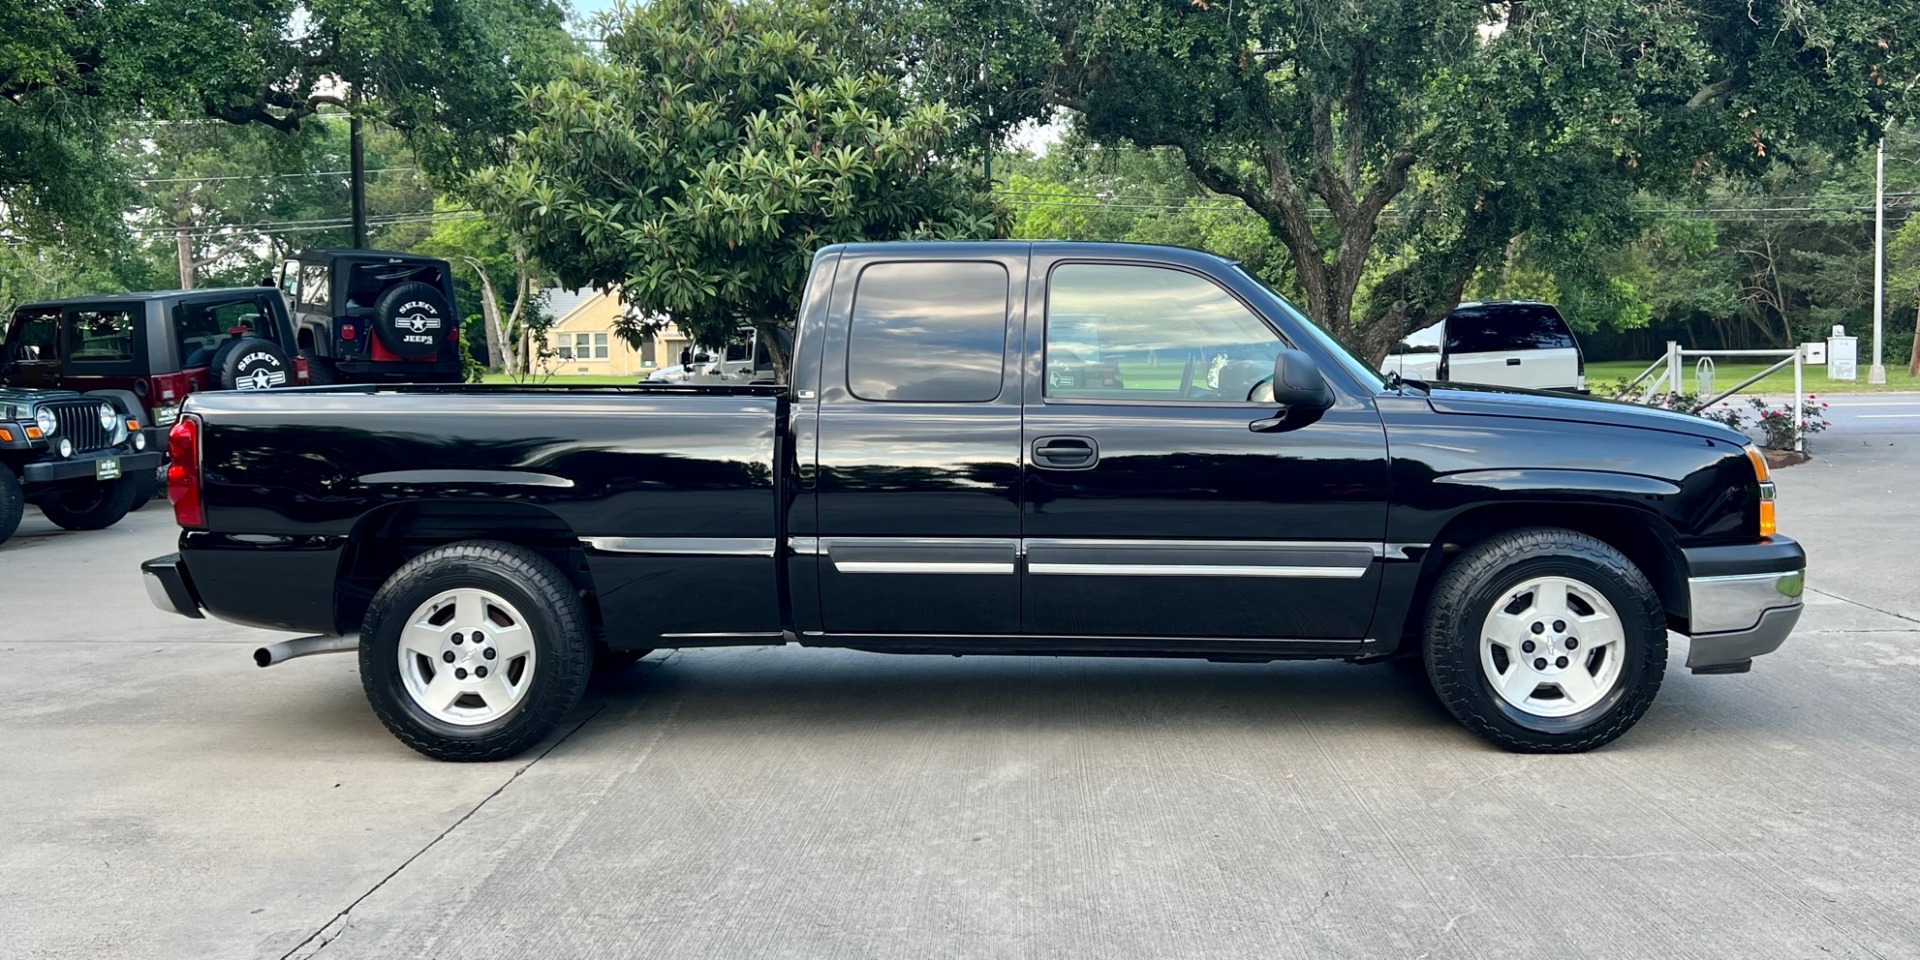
x=109, y=417
x=46, y=421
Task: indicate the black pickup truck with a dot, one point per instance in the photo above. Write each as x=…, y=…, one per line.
x=988, y=448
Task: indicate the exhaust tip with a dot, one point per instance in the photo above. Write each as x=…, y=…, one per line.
x=263, y=657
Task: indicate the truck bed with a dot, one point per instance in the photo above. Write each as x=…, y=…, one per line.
x=625, y=480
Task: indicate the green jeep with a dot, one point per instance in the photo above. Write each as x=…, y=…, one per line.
x=81, y=459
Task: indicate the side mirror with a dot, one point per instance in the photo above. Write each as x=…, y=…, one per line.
x=1297, y=383
x=1298, y=387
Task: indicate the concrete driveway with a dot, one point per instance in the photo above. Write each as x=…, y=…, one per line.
x=164, y=798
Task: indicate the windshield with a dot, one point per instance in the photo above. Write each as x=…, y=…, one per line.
x=1368, y=377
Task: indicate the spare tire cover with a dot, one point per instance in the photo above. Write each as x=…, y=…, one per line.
x=252, y=363
x=413, y=319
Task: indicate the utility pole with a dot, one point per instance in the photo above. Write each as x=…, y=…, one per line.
x=357, y=174
x=1878, y=372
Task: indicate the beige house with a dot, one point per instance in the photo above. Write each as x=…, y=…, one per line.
x=585, y=344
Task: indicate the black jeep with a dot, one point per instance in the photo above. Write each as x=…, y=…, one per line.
x=146, y=352
x=81, y=459
x=373, y=316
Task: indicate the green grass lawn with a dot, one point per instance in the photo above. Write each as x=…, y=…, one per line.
x=1601, y=376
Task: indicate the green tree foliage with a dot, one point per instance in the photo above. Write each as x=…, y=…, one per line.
x=441, y=71
x=1084, y=190
x=1398, y=146
x=714, y=148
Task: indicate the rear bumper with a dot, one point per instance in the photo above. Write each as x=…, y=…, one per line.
x=169, y=588
x=1743, y=602
x=83, y=466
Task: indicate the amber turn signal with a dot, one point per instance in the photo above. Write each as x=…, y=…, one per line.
x=133, y=425
x=1768, y=525
x=33, y=433
x=6, y=436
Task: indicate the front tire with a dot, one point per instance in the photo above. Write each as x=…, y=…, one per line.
x=1545, y=640
x=13, y=503
x=475, y=651
x=95, y=506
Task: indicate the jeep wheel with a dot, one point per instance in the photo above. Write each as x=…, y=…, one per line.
x=1545, y=641
x=252, y=363
x=475, y=651
x=146, y=487
x=12, y=503
x=95, y=506
x=320, y=371
x=413, y=319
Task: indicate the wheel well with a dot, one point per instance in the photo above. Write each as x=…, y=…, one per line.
x=385, y=539
x=1644, y=538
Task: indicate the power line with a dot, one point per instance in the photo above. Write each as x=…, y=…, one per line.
x=273, y=176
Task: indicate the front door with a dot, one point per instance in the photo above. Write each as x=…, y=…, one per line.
x=918, y=447
x=1153, y=509
x=32, y=351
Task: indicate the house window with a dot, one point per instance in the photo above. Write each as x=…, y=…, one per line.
x=599, y=346
x=585, y=346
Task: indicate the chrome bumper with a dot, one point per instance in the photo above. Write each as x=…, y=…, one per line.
x=169, y=588
x=1739, y=617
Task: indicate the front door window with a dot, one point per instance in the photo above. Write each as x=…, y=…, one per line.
x=1128, y=332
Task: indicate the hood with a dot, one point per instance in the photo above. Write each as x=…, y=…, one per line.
x=17, y=403
x=1474, y=400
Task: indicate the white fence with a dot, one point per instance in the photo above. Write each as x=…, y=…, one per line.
x=1671, y=378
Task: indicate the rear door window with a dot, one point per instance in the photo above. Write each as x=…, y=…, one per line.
x=1508, y=326
x=315, y=292
x=930, y=332
x=200, y=328
x=101, y=335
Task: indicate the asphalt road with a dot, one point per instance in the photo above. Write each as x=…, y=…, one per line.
x=165, y=798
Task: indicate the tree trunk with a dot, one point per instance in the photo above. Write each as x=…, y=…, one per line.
x=183, y=248
x=1913, y=353
x=490, y=316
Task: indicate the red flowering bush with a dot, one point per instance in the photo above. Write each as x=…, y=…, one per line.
x=1778, y=422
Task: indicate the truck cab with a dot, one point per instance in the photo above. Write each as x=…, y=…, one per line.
x=372, y=316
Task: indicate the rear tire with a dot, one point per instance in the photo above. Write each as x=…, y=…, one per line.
x=451, y=696
x=13, y=503
x=320, y=371
x=1545, y=640
x=96, y=506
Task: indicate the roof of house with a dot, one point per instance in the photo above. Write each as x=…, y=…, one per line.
x=561, y=303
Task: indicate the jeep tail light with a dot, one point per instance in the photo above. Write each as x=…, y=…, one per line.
x=183, y=474
x=347, y=331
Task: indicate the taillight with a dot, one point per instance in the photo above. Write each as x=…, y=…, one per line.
x=183, y=473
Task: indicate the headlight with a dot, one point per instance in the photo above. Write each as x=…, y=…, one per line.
x=66, y=447
x=109, y=417
x=139, y=441
x=45, y=420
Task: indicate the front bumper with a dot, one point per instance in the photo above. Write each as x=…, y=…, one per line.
x=82, y=466
x=1742, y=602
x=169, y=588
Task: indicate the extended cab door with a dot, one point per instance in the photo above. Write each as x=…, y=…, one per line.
x=1152, y=508
x=917, y=444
